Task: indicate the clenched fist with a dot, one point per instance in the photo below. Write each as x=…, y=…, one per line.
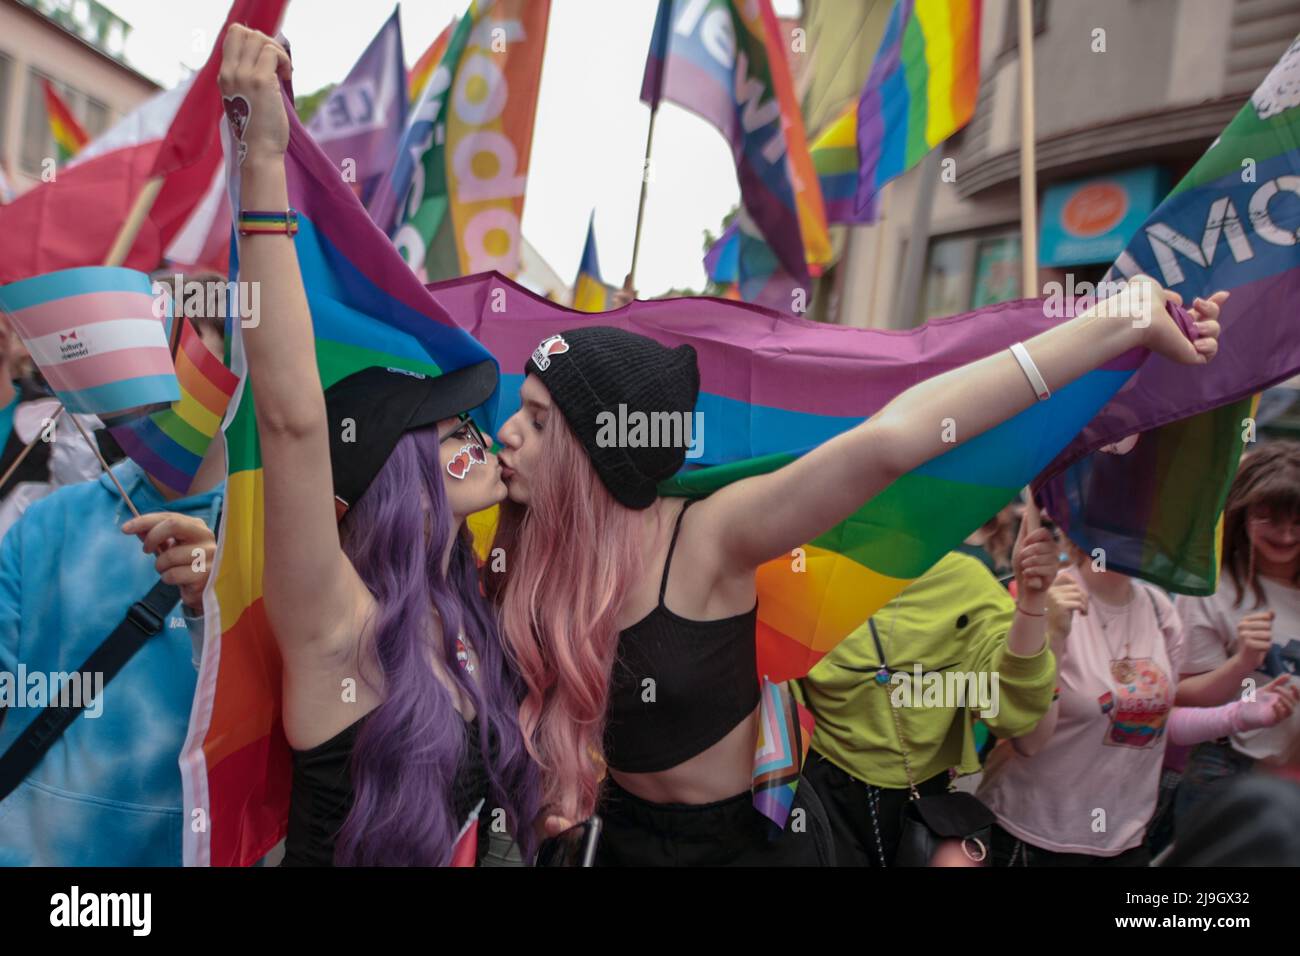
x=1254, y=637
x=252, y=65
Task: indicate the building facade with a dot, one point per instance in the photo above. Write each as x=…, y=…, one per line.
x=1129, y=94
x=77, y=45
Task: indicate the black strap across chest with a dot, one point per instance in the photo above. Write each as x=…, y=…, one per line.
x=143, y=620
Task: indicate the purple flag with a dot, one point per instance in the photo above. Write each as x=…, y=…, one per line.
x=361, y=123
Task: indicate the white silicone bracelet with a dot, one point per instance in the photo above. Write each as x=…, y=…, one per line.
x=1031, y=372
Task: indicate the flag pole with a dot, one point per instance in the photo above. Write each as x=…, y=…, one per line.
x=658, y=49
x=125, y=238
x=1028, y=191
x=645, y=182
x=103, y=464
x=24, y=453
x=72, y=418
x=1028, y=165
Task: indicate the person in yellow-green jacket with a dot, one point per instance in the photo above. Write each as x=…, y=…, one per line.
x=952, y=647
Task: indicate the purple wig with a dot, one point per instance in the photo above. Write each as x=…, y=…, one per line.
x=412, y=746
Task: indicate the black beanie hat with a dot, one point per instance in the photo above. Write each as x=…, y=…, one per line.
x=591, y=371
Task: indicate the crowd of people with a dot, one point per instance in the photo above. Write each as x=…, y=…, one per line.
x=522, y=691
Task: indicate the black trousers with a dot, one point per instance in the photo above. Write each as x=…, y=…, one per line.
x=729, y=832
x=865, y=820
x=1010, y=850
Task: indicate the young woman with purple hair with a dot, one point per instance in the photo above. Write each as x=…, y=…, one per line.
x=399, y=701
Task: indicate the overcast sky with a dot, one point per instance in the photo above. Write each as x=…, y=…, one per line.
x=588, y=141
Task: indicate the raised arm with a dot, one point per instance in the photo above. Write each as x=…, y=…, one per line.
x=311, y=591
x=825, y=486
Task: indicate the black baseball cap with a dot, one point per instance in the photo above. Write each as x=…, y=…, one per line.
x=385, y=403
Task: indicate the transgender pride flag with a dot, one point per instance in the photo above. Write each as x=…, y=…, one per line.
x=94, y=335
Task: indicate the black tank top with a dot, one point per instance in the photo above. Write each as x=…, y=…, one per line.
x=705, y=682
x=322, y=794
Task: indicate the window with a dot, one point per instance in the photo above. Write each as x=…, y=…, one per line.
x=972, y=270
x=38, y=138
x=38, y=141
x=997, y=269
x=95, y=117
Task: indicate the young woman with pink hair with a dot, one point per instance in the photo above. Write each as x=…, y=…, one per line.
x=633, y=622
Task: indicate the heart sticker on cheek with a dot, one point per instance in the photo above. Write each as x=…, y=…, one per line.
x=459, y=466
x=476, y=453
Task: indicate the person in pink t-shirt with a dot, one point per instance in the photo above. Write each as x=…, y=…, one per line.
x=1248, y=631
x=1081, y=787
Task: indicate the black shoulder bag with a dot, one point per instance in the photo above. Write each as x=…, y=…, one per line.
x=143, y=620
x=930, y=821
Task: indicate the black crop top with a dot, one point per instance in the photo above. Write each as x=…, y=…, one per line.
x=705, y=676
x=322, y=793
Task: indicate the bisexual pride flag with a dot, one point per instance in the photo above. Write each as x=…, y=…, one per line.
x=94, y=335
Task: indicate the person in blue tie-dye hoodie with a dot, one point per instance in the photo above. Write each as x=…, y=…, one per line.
x=108, y=792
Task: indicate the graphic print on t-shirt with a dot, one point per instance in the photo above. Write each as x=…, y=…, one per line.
x=1282, y=659
x=1138, y=708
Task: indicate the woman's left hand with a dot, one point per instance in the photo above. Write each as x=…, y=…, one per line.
x=1164, y=336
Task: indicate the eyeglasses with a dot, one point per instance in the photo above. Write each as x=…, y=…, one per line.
x=469, y=432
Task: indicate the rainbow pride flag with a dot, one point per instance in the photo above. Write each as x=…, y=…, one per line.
x=170, y=444
x=921, y=89
x=1217, y=229
x=69, y=136
x=773, y=387
x=590, y=292
x=785, y=732
x=95, y=336
x=368, y=308
x=419, y=74
x=835, y=156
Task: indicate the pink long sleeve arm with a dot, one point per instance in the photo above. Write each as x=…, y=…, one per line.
x=1194, y=725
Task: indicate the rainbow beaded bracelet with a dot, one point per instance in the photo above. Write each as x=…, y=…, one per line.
x=253, y=222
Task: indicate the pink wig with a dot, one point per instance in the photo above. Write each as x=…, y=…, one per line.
x=571, y=558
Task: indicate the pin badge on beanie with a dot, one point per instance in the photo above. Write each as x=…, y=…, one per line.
x=615, y=373
x=555, y=345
